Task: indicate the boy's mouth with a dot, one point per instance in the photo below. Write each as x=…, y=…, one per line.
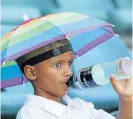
x=65, y=87
x=68, y=83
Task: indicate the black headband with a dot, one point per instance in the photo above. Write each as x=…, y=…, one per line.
x=47, y=55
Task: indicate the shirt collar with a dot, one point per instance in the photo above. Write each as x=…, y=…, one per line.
x=49, y=105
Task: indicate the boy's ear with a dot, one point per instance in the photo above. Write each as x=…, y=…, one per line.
x=30, y=72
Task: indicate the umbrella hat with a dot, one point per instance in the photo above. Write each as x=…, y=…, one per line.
x=83, y=32
x=44, y=30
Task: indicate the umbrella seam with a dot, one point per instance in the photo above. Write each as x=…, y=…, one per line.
x=57, y=28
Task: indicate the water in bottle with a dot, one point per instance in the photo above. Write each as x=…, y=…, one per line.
x=99, y=74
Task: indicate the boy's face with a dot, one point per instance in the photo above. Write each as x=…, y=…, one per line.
x=53, y=74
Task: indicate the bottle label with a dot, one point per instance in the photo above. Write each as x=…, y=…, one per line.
x=86, y=77
x=83, y=78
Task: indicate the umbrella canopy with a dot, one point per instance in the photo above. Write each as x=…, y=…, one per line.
x=11, y=75
x=41, y=31
x=84, y=33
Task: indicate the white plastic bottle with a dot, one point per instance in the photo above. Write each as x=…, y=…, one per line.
x=99, y=74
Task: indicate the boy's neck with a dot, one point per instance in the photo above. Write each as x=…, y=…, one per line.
x=40, y=92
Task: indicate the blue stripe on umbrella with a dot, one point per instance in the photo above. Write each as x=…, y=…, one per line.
x=84, y=39
x=89, y=22
x=6, y=72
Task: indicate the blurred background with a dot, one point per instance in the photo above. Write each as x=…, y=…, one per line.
x=117, y=12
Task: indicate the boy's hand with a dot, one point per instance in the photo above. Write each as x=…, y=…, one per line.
x=124, y=90
x=122, y=87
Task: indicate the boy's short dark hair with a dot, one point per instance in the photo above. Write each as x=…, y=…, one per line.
x=45, y=52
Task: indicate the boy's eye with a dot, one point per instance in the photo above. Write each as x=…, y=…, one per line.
x=70, y=63
x=57, y=65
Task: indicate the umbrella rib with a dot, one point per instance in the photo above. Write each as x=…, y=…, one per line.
x=57, y=28
x=106, y=29
x=7, y=44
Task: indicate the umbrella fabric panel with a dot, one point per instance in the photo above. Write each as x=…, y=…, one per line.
x=10, y=72
x=82, y=25
x=11, y=82
x=34, y=41
x=8, y=64
x=25, y=33
x=11, y=75
x=79, y=41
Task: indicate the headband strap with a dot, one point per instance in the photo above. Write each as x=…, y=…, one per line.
x=47, y=55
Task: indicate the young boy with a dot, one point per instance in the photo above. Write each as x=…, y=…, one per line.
x=49, y=68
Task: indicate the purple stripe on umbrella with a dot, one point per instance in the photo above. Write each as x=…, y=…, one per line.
x=93, y=44
x=52, y=40
x=13, y=82
x=108, y=28
x=25, y=80
x=73, y=33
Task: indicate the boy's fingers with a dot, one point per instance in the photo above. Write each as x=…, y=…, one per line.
x=113, y=81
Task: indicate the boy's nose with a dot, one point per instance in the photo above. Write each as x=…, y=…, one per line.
x=68, y=72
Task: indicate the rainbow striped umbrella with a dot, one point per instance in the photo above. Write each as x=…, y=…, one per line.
x=11, y=75
x=83, y=31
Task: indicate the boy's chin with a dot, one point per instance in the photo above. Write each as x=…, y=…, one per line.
x=64, y=93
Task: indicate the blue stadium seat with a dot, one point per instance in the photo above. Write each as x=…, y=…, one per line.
x=13, y=16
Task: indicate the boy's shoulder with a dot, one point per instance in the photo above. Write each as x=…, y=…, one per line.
x=33, y=108
x=31, y=112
